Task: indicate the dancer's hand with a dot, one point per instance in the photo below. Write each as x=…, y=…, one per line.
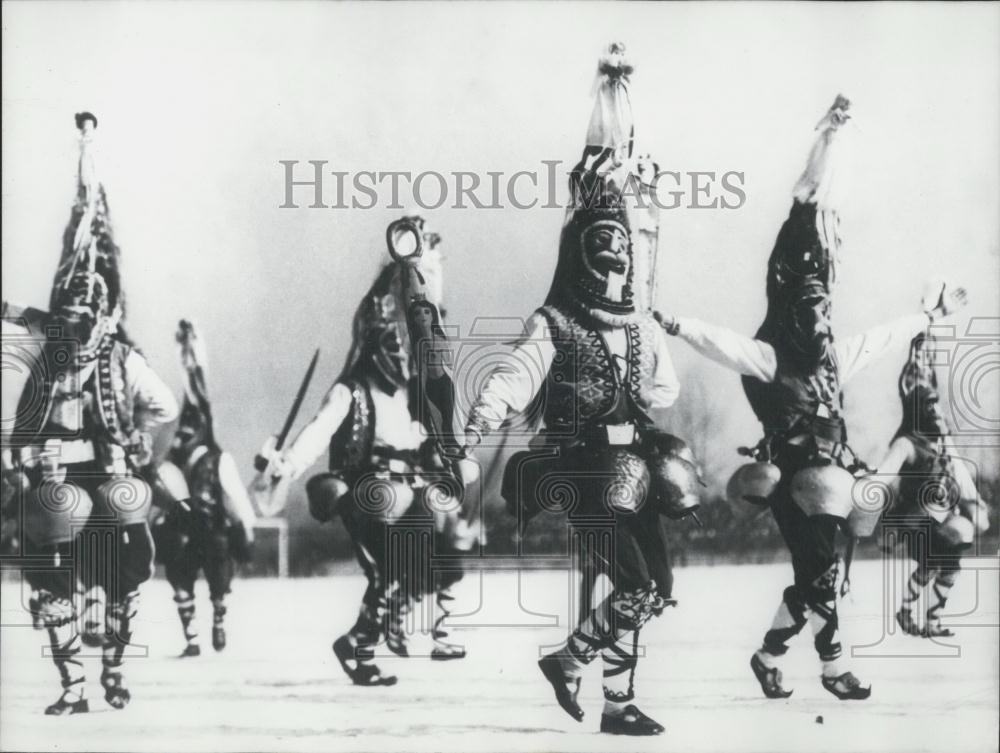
x=280, y=468
x=944, y=301
x=472, y=440
x=668, y=322
x=142, y=448
x=837, y=115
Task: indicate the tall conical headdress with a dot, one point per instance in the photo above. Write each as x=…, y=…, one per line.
x=196, y=427
x=802, y=265
x=89, y=271
x=611, y=189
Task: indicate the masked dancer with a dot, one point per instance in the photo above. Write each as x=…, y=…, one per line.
x=387, y=424
x=81, y=434
x=793, y=374
x=937, y=508
x=595, y=365
x=214, y=528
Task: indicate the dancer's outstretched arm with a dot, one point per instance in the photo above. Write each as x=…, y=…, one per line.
x=314, y=438
x=742, y=354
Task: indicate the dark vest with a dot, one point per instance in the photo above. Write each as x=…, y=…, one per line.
x=583, y=385
x=930, y=468
x=788, y=406
x=205, y=487
x=351, y=445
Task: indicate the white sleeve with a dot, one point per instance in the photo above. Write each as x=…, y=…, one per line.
x=666, y=386
x=155, y=404
x=234, y=495
x=517, y=379
x=315, y=436
x=740, y=353
x=855, y=353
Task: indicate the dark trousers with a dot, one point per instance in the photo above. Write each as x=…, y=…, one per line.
x=812, y=544
x=199, y=547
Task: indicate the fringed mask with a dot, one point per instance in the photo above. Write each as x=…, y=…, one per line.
x=385, y=346
x=807, y=322
x=918, y=390
x=799, y=279
x=82, y=313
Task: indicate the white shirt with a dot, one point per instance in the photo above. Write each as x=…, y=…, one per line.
x=513, y=384
x=394, y=426
x=757, y=359
x=153, y=402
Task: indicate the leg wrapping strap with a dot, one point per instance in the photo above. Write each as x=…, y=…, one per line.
x=791, y=617
x=119, y=617
x=620, y=658
x=64, y=641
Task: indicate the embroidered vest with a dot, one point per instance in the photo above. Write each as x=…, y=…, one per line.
x=583, y=385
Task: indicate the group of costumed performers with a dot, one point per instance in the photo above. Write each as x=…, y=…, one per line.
x=793, y=375
x=214, y=527
x=394, y=479
x=593, y=365
x=81, y=436
x=937, y=509
x=606, y=369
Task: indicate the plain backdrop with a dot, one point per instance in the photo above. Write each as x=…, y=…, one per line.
x=199, y=102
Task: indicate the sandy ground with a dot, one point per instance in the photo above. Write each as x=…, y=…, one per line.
x=277, y=686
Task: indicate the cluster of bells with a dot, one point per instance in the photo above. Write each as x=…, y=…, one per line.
x=832, y=490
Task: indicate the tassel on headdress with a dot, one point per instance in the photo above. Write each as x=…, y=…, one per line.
x=90, y=263
x=611, y=131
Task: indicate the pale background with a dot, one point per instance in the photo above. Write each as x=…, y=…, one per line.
x=197, y=103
